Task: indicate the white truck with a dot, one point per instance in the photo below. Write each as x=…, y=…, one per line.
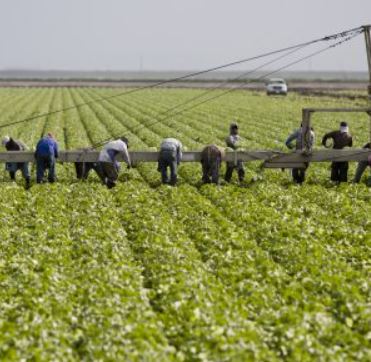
x=276, y=86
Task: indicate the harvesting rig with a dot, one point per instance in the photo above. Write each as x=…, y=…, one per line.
x=270, y=158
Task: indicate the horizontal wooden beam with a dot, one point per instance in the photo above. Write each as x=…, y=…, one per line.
x=195, y=156
x=363, y=109
x=284, y=165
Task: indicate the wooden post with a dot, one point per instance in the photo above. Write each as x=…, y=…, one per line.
x=306, y=130
x=366, y=30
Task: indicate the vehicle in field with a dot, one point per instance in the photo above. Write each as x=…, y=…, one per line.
x=276, y=86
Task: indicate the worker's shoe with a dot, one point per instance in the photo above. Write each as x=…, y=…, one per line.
x=28, y=183
x=110, y=184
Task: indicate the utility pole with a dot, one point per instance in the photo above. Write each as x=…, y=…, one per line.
x=366, y=30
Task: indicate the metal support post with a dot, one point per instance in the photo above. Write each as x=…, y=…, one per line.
x=366, y=30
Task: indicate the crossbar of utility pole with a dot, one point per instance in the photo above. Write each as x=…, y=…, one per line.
x=330, y=110
x=270, y=156
x=306, y=120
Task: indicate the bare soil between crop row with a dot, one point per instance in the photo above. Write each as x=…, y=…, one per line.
x=334, y=89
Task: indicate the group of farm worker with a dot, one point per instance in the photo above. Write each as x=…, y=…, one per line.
x=170, y=155
x=341, y=138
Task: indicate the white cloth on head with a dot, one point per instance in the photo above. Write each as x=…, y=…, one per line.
x=5, y=140
x=344, y=129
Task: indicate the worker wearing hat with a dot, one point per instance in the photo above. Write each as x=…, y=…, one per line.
x=233, y=141
x=341, y=138
x=12, y=167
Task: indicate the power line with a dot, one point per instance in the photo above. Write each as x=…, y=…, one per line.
x=239, y=87
x=192, y=99
x=265, y=75
x=241, y=61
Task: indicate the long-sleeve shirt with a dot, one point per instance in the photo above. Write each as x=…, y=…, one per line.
x=210, y=154
x=14, y=145
x=47, y=146
x=340, y=139
x=232, y=141
x=112, y=149
x=298, y=137
x=174, y=145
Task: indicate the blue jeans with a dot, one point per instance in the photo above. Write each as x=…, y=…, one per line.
x=168, y=159
x=44, y=163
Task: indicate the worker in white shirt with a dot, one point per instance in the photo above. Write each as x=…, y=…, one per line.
x=108, y=165
x=170, y=156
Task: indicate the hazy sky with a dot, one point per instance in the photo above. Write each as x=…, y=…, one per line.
x=172, y=34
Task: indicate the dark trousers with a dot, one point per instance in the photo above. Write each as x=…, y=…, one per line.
x=361, y=167
x=339, y=171
x=13, y=167
x=298, y=174
x=167, y=159
x=108, y=172
x=211, y=169
x=44, y=163
x=83, y=169
x=229, y=171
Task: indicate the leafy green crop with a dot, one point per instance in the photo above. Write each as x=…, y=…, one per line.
x=263, y=271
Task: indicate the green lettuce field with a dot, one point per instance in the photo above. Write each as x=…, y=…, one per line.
x=262, y=271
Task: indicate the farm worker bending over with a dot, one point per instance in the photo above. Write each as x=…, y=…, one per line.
x=232, y=141
x=211, y=159
x=170, y=156
x=341, y=139
x=13, y=145
x=83, y=169
x=45, y=154
x=108, y=165
x=298, y=174
x=362, y=165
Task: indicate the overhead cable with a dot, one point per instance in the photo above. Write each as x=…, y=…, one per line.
x=190, y=75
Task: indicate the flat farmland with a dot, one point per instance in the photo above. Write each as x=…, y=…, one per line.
x=262, y=271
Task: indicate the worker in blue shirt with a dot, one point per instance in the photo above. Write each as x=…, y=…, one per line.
x=45, y=155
